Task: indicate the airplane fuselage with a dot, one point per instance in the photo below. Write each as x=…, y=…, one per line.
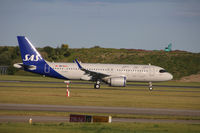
x=131, y=72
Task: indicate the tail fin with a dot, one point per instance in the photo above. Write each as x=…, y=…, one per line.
x=33, y=61
x=29, y=54
x=170, y=46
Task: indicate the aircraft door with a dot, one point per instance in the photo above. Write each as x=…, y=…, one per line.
x=46, y=68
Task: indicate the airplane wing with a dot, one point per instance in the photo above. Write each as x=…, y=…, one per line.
x=93, y=74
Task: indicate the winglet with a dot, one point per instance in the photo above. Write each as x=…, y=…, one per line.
x=80, y=67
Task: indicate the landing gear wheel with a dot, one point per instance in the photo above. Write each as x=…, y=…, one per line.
x=96, y=86
x=150, y=86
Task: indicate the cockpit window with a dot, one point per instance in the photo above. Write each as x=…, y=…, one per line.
x=162, y=71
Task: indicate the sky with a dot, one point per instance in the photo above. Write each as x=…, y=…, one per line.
x=129, y=24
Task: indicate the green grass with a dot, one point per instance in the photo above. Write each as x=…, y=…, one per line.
x=85, y=95
x=66, y=114
x=98, y=127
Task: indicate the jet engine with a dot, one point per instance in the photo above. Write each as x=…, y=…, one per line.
x=117, y=81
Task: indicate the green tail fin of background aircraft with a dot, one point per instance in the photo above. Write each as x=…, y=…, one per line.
x=168, y=48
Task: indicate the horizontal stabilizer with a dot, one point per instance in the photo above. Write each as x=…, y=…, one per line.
x=22, y=66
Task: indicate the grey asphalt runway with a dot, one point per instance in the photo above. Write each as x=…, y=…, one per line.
x=99, y=109
x=117, y=88
x=186, y=88
x=72, y=82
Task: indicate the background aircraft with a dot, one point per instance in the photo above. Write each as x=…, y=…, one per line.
x=112, y=74
x=168, y=48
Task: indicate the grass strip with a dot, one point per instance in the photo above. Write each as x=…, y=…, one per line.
x=98, y=127
x=132, y=116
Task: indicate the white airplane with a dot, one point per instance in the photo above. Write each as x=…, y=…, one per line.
x=112, y=74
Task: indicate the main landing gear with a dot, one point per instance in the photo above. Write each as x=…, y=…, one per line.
x=150, y=86
x=97, y=84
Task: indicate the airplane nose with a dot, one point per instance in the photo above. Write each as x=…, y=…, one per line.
x=170, y=76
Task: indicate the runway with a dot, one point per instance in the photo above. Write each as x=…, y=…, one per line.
x=186, y=88
x=93, y=109
x=99, y=109
x=72, y=82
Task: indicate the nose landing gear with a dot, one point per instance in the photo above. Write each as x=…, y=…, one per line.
x=150, y=86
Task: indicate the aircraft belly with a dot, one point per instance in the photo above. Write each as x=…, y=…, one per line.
x=137, y=77
x=73, y=74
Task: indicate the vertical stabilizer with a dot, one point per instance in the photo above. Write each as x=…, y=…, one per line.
x=33, y=61
x=29, y=54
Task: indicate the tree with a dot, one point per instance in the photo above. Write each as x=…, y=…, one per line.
x=5, y=58
x=15, y=52
x=50, y=52
x=64, y=50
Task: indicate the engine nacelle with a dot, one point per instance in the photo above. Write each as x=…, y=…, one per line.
x=117, y=81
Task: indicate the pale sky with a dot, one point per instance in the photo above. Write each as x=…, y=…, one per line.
x=132, y=24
